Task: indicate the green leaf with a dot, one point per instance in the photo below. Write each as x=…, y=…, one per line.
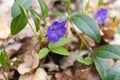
x=60, y=50
x=23, y=11
x=43, y=52
x=3, y=58
x=61, y=42
x=44, y=8
x=108, y=51
x=100, y=3
x=86, y=60
x=88, y=26
x=58, y=13
x=17, y=24
x=102, y=67
x=36, y=19
x=76, y=13
x=15, y=11
x=114, y=73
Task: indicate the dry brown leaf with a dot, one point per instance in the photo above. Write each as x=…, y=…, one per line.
x=69, y=61
x=52, y=66
x=4, y=31
x=3, y=75
x=80, y=74
x=90, y=41
x=12, y=48
x=116, y=40
x=108, y=34
x=31, y=61
x=65, y=75
x=40, y=74
x=93, y=74
x=110, y=62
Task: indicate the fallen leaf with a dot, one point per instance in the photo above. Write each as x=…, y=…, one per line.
x=69, y=61
x=40, y=74
x=4, y=31
x=81, y=74
x=65, y=75
x=108, y=34
x=116, y=40
x=12, y=48
x=90, y=41
x=30, y=62
x=52, y=66
x=3, y=75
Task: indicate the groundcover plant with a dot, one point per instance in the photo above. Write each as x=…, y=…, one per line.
x=54, y=38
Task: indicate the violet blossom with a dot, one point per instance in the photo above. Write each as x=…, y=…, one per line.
x=56, y=30
x=101, y=15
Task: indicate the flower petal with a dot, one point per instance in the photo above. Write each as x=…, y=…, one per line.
x=56, y=31
x=62, y=22
x=53, y=38
x=101, y=15
x=61, y=31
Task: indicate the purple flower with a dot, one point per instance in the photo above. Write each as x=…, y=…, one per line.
x=56, y=30
x=101, y=15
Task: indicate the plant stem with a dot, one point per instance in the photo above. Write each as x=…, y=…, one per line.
x=68, y=6
x=32, y=28
x=81, y=44
x=82, y=38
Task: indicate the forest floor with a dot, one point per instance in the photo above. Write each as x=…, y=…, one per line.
x=21, y=47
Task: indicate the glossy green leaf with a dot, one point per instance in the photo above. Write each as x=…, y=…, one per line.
x=15, y=11
x=114, y=73
x=44, y=8
x=100, y=3
x=17, y=24
x=3, y=58
x=88, y=26
x=102, y=67
x=76, y=13
x=43, y=52
x=108, y=51
x=86, y=60
x=61, y=42
x=60, y=50
x=23, y=11
x=57, y=13
x=36, y=19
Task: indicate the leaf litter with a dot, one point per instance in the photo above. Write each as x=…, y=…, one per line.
x=25, y=48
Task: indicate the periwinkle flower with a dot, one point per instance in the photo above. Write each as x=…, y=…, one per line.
x=56, y=30
x=101, y=15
